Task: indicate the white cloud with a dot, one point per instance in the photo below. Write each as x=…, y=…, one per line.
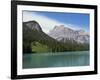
x=46, y=23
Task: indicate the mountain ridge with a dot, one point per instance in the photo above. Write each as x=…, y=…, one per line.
x=36, y=41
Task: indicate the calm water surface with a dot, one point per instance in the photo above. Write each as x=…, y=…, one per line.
x=59, y=59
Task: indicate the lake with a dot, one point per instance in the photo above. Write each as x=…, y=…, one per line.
x=59, y=59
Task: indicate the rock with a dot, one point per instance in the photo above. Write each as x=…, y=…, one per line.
x=64, y=33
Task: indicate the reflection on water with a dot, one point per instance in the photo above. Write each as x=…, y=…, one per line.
x=59, y=59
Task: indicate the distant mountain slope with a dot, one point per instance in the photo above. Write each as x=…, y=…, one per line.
x=62, y=33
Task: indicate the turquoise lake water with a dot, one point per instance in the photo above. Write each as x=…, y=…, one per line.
x=59, y=59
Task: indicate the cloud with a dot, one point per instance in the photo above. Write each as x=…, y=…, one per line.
x=46, y=23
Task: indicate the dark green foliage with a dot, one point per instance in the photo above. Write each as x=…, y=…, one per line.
x=35, y=41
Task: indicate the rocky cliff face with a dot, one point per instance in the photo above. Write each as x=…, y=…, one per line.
x=33, y=25
x=63, y=33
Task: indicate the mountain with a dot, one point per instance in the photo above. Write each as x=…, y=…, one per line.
x=36, y=41
x=62, y=33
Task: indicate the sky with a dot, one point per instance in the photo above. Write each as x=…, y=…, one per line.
x=48, y=20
